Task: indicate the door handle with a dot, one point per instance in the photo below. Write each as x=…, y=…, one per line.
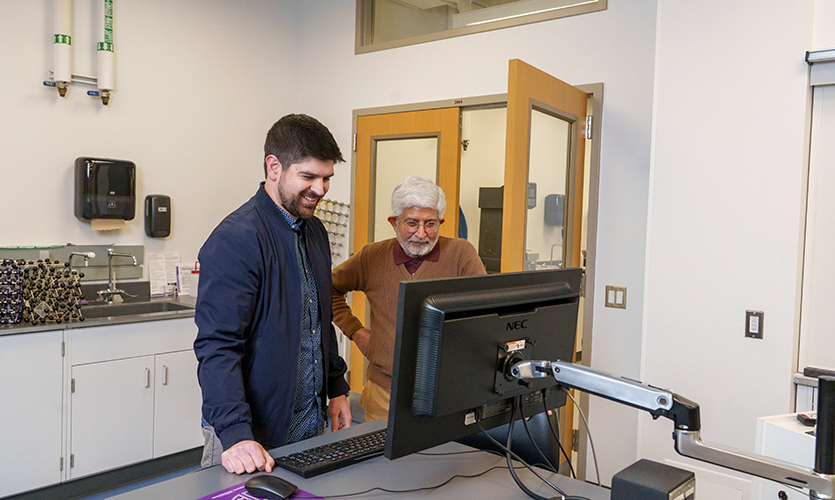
x=147, y=378
x=164, y=375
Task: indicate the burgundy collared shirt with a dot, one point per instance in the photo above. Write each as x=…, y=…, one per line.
x=413, y=263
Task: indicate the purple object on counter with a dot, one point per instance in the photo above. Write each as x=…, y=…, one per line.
x=238, y=492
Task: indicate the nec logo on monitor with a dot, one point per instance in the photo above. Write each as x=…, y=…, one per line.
x=517, y=325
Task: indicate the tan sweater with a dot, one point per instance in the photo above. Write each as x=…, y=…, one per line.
x=372, y=271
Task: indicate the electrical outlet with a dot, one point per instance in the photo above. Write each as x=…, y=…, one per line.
x=616, y=296
x=754, y=324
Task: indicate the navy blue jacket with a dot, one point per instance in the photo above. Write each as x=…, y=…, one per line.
x=249, y=316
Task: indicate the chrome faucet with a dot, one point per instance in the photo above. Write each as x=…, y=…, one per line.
x=113, y=294
x=87, y=256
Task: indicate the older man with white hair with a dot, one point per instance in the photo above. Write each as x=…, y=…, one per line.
x=417, y=252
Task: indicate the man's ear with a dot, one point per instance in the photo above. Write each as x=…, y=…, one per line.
x=273, y=168
x=393, y=221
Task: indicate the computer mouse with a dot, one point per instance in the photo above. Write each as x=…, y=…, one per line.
x=269, y=487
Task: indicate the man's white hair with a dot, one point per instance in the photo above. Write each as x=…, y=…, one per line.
x=417, y=192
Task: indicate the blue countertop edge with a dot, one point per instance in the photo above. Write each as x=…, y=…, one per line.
x=23, y=328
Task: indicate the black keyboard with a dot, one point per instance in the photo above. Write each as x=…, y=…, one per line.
x=315, y=461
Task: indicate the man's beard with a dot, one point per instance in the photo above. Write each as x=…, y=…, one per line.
x=413, y=250
x=292, y=202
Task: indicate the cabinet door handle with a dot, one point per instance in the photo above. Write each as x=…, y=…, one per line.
x=164, y=375
x=147, y=378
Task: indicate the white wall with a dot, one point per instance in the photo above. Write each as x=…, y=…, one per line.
x=823, y=31
x=725, y=213
x=198, y=84
x=616, y=46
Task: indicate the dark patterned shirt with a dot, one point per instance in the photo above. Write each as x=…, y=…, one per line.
x=307, y=420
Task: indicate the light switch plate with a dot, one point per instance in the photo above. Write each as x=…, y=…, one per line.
x=754, y=324
x=616, y=296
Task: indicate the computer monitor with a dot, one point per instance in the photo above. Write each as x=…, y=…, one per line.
x=456, y=336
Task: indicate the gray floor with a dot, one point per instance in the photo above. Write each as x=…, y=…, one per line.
x=357, y=413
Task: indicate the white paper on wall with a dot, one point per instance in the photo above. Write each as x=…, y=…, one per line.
x=162, y=270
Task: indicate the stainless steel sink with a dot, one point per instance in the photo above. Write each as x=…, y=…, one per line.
x=131, y=308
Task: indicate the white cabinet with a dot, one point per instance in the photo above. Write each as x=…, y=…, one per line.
x=136, y=394
x=177, y=403
x=31, y=388
x=784, y=438
x=112, y=418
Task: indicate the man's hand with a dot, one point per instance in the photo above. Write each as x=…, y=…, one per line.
x=362, y=338
x=340, y=412
x=247, y=456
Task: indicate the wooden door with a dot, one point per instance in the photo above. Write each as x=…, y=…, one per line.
x=532, y=91
x=372, y=132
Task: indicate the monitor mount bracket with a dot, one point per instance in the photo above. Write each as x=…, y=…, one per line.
x=685, y=416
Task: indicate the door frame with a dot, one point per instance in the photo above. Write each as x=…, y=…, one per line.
x=595, y=93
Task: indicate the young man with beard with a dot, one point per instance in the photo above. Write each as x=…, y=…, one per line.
x=267, y=352
x=417, y=252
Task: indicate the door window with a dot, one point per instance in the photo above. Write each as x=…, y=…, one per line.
x=396, y=159
x=550, y=155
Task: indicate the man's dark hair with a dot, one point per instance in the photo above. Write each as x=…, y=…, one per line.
x=296, y=137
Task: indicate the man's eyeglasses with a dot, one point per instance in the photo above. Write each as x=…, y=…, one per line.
x=430, y=226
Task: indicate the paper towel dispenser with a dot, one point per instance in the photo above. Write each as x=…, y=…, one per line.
x=105, y=189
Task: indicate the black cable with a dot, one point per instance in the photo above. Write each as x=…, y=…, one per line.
x=465, y=452
x=396, y=492
x=492, y=452
x=556, y=435
x=426, y=488
x=513, y=474
x=588, y=432
x=457, y=476
x=508, y=454
x=515, y=456
x=548, y=463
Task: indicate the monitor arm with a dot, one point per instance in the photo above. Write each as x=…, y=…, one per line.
x=685, y=415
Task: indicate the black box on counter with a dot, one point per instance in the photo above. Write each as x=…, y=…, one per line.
x=648, y=480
